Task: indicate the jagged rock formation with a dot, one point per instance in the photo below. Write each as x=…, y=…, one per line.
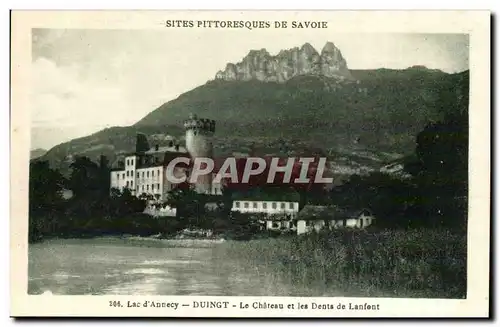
x=260, y=65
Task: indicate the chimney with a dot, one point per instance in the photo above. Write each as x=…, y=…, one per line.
x=157, y=147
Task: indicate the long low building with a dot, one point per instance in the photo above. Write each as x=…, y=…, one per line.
x=316, y=218
x=267, y=207
x=276, y=211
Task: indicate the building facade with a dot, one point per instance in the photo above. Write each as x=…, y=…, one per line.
x=274, y=215
x=266, y=207
x=316, y=218
x=144, y=172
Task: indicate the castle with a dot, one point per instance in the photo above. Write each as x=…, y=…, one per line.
x=144, y=170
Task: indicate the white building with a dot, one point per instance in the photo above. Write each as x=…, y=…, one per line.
x=315, y=218
x=266, y=207
x=274, y=211
x=160, y=210
x=276, y=215
x=144, y=172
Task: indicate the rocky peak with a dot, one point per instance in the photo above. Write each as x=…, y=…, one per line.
x=308, y=49
x=329, y=47
x=260, y=65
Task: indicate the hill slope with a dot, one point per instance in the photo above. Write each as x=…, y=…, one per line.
x=37, y=153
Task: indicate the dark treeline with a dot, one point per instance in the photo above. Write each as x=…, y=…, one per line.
x=433, y=195
x=91, y=209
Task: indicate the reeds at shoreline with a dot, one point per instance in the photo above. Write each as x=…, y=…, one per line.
x=424, y=263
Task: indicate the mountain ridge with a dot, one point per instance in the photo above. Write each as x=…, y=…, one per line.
x=296, y=114
x=262, y=66
x=311, y=100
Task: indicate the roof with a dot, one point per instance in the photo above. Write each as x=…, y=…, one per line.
x=163, y=149
x=313, y=212
x=155, y=159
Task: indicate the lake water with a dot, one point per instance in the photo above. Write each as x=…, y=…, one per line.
x=79, y=267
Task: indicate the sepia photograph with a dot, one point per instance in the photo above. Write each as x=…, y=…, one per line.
x=194, y=160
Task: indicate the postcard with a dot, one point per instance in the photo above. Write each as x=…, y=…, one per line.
x=250, y=164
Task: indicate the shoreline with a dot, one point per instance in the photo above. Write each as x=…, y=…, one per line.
x=137, y=240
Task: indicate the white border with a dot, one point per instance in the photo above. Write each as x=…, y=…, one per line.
x=476, y=4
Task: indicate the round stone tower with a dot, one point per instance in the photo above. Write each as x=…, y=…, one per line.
x=199, y=135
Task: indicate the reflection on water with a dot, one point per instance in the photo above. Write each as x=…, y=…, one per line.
x=86, y=267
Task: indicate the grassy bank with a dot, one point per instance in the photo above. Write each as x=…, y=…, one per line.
x=417, y=263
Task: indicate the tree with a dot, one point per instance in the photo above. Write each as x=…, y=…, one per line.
x=104, y=175
x=441, y=170
x=45, y=199
x=189, y=204
x=85, y=177
x=45, y=186
x=388, y=197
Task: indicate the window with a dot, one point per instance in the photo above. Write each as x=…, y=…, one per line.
x=158, y=185
x=127, y=162
x=255, y=205
x=153, y=173
x=246, y=205
x=123, y=176
x=264, y=205
x=137, y=188
x=138, y=175
x=147, y=187
x=142, y=174
x=143, y=187
x=291, y=205
x=282, y=205
x=127, y=173
x=152, y=187
x=127, y=184
x=117, y=175
x=147, y=174
x=237, y=204
x=131, y=184
x=275, y=205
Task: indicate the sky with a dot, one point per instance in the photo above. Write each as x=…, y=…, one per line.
x=87, y=80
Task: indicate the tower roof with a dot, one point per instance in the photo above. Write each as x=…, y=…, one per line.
x=202, y=124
